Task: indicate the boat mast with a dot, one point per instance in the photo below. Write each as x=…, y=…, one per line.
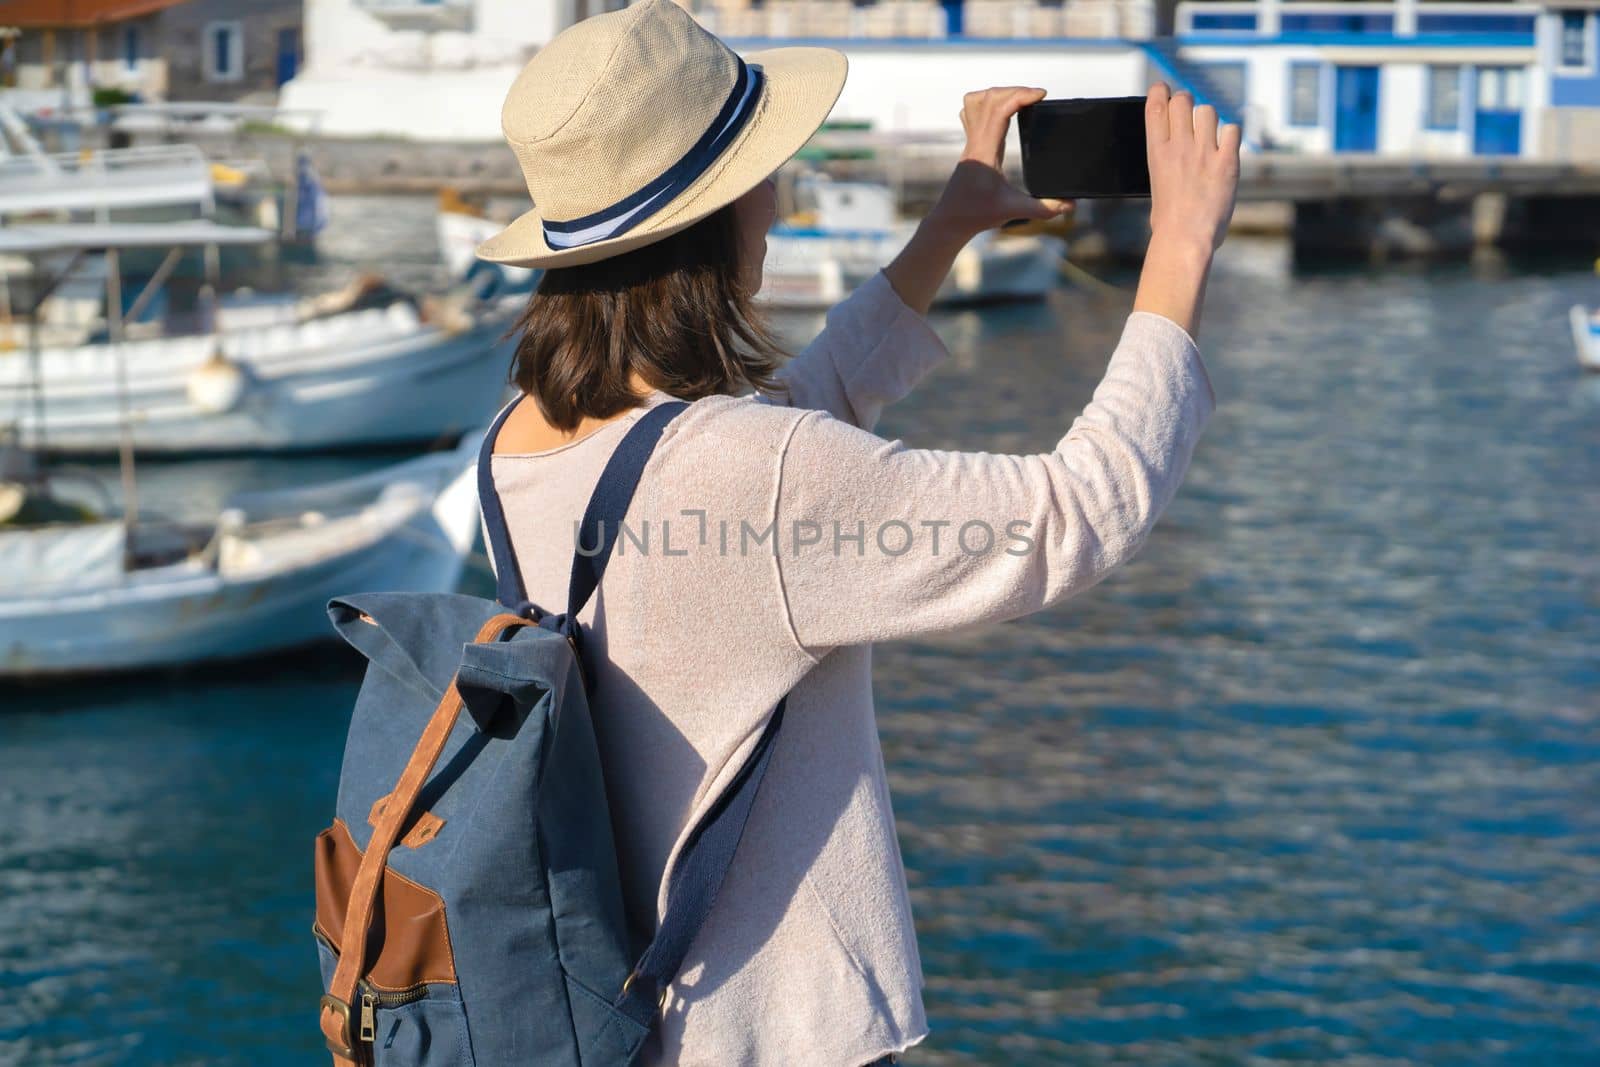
x=36, y=363
x=130, y=485
x=42, y=287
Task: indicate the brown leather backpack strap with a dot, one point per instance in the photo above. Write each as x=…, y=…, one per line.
x=335, y=1015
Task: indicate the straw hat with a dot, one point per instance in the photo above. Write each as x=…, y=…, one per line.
x=637, y=123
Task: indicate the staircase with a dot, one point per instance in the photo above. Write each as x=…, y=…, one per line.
x=1186, y=74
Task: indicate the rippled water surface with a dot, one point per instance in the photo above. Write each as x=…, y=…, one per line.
x=1315, y=779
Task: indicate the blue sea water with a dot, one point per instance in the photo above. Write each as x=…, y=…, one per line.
x=1314, y=779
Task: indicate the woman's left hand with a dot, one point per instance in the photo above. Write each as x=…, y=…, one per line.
x=978, y=196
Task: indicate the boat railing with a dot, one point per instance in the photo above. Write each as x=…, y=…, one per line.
x=106, y=160
x=112, y=178
x=260, y=509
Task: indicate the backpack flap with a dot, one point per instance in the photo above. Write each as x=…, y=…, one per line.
x=417, y=638
x=511, y=675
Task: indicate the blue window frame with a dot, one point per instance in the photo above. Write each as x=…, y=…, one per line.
x=1521, y=25
x=1305, y=94
x=1442, y=110
x=1575, y=40
x=1224, y=21
x=1356, y=22
x=130, y=47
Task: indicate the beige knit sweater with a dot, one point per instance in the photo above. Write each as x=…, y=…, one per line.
x=767, y=547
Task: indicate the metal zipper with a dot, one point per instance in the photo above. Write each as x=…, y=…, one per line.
x=384, y=998
x=372, y=997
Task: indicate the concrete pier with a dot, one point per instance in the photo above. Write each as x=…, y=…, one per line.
x=1328, y=205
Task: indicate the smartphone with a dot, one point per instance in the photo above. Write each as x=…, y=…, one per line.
x=1081, y=149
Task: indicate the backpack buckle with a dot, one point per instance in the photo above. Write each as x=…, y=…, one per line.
x=341, y=1012
x=627, y=984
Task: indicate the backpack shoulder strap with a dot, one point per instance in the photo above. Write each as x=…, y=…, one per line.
x=507, y=580
x=702, y=863
x=697, y=875
x=609, y=504
x=597, y=534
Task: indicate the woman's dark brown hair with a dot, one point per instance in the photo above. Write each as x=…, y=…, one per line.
x=675, y=311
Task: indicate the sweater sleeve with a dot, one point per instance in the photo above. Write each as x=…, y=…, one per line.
x=878, y=541
x=871, y=352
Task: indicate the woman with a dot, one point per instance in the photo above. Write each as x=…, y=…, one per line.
x=767, y=548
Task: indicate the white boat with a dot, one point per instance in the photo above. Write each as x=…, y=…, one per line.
x=153, y=181
x=105, y=596
x=817, y=258
x=143, y=182
x=461, y=229
x=1586, y=336
x=378, y=375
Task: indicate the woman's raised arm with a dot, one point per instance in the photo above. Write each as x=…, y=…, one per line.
x=876, y=345
x=878, y=541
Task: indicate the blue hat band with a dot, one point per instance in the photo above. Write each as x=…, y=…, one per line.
x=624, y=215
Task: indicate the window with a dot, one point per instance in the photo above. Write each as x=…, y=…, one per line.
x=1361, y=22
x=224, y=51
x=1221, y=21
x=130, y=48
x=1305, y=94
x=1499, y=89
x=1444, y=98
x=1575, y=38
x=1511, y=25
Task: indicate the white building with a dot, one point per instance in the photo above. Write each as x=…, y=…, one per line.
x=438, y=69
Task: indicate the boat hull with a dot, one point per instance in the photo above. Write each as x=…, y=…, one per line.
x=815, y=269
x=423, y=386
x=192, y=613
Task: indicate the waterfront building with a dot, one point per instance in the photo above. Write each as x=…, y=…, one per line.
x=1406, y=79
x=1409, y=79
x=54, y=52
x=61, y=54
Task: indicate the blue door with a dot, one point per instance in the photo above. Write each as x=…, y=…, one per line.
x=954, y=17
x=1355, y=120
x=288, y=53
x=1497, y=116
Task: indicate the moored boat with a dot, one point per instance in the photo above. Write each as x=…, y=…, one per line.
x=109, y=595
x=461, y=227
x=289, y=377
x=816, y=258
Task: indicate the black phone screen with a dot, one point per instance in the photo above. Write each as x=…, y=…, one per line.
x=1084, y=148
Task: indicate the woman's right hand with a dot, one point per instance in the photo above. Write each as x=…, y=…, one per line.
x=1194, y=166
x=1194, y=177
